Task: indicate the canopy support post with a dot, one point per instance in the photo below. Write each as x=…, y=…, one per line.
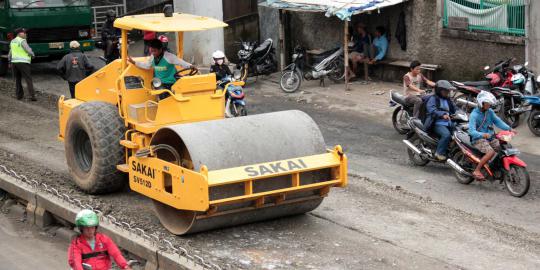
x=346, y=53
x=124, y=52
x=281, y=40
x=180, y=44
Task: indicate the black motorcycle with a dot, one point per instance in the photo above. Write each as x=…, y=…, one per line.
x=402, y=113
x=254, y=59
x=326, y=64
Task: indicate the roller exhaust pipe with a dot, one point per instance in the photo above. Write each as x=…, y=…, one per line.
x=456, y=167
x=468, y=104
x=412, y=147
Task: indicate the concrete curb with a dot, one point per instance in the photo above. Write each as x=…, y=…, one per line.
x=40, y=205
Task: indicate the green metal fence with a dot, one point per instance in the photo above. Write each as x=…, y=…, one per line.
x=501, y=16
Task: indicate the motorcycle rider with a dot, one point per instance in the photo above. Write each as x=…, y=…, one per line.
x=164, y=64
x=219, y=67
x=481, y=130
x=439, y=107
x=91, y=247
x=412, y=81
x=109, y=34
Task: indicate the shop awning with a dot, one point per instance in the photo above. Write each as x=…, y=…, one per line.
x=342, y=9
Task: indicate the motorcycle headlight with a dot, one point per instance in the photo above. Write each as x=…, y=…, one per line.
x=84, y=33
x=156, y=83
x=294, y=56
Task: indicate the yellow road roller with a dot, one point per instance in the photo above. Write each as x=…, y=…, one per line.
x=201, y=170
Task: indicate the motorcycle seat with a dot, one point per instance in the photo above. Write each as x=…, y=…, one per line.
x=465, y=138
x=399, y=98
x=264, y=46
x=477, y=83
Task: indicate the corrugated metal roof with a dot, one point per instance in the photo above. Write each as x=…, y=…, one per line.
x=343, y=9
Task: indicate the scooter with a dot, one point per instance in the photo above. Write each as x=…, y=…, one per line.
x=531, y=104
x=330, y=65
x=235, y=105
x=256, y=59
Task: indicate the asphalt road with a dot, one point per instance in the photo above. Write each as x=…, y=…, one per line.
x=430, y=222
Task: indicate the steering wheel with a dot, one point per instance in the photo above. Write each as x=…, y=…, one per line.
x=192, y=71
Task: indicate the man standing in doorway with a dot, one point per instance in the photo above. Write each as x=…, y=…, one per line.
x=20, y=56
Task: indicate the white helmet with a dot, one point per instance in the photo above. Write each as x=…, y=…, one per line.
x=485, y=96
x=218, y=54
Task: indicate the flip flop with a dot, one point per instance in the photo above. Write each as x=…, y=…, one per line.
x=479, y=177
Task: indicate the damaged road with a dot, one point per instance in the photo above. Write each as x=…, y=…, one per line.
x=368, y=225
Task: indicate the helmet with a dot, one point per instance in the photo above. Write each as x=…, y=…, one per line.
x=164, y=40
x=86, y=218
x=74, y=44
x=443, y=85
x=218, y=54
x=111, y=13
x=518, y=79
x=493, y=78
x=485, y=97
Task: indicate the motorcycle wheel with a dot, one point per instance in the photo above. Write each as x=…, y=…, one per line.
x=338, y=72
x=517, y=181
x=399, y=120
x=416, y=159
x=238, y=110
x=466, y=97
x=504, y=114
x=244, y=72
x=466, y=164
x=290, y=81
x=534, y=124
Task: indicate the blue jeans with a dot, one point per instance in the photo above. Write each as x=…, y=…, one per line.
x=445, y=135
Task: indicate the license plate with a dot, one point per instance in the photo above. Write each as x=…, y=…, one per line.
x=56, y=45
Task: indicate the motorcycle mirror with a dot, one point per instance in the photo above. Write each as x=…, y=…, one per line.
x=486, y=67
x=156, y=83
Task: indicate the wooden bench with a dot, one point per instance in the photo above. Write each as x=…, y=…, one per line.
x=429, y=68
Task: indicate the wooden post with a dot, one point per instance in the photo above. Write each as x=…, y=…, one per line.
x=346, y=52
x=281, y=41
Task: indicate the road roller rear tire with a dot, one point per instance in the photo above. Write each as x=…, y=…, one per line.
x=92, y=146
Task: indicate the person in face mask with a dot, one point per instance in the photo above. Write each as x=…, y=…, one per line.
x=219, y=67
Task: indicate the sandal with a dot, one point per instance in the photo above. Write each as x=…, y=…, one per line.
x=479, y=176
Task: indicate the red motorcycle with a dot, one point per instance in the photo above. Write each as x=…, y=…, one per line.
x=505, y=167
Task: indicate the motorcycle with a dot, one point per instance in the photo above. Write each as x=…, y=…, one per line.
x=330, y=65
x=256, y=60
x=402, y=113
x=464, y=157
x=508, y=101
x=235, y=104
x=505, y=167
x=114, y=52
x=531, y=104
x=524, y=80
x=422, y=145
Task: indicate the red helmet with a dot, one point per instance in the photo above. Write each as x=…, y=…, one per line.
x=163, y=38
x=493, y=78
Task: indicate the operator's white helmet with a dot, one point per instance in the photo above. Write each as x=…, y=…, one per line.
x=485, y=96
x=218, y=54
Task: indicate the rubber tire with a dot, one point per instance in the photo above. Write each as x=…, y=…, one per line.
x=502, y=115
x=338, y=76
x=411, y=153
x=527, y=182
x=462, y=179
x=104, y=128
x=394, y=121
x=242, y=110
x=282, y=83
x=3, y=66
x=531, y=121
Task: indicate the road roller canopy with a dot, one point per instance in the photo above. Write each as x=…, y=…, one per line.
x=158, y=22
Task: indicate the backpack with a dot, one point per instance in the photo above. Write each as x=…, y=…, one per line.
x=422, y=113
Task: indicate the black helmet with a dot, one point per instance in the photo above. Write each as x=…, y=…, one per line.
x=443, y=85
x=111, y=14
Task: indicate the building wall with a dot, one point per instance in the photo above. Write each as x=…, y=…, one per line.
x=534, y=36
x=198, y=46
x=459, y=54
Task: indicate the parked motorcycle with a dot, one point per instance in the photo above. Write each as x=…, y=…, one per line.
x=531, y=104
x=254, y=59
x=508, y=101
x=114, y=52
x=402, y=113
x=524, y=80
x=235, y=105
x=330, y=65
